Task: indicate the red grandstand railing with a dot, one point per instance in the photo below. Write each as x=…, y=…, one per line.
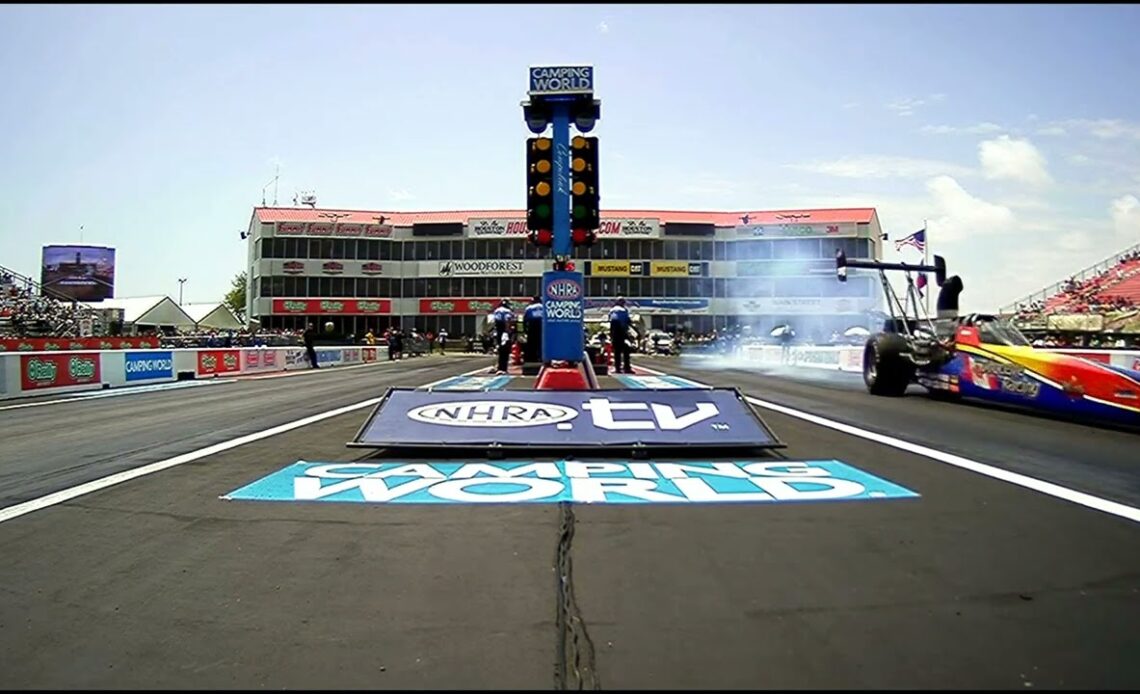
x=1091, y=272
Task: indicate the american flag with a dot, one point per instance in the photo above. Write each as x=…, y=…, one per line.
x=917, y=239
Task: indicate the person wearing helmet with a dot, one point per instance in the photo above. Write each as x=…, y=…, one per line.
x=619, y=336
x=503, y=317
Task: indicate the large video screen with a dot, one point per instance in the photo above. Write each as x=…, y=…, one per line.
x=81, y=273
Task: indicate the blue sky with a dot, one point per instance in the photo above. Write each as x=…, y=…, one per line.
x=1015, y=130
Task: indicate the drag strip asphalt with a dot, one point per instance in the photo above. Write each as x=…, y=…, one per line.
x=160, y=583
x=82, y=438
x=1093, y=459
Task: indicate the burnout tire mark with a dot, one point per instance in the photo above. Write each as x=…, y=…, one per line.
x=576, y=657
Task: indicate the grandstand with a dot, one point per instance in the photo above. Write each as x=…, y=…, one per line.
x=1110, y=285
x=28, y=309
x=1102, y=298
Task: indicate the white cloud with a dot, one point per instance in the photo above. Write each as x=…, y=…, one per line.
x=1080, y=160
x=906, y=106
x=603, y=27
x=400, y=195
x=978, y=129
x=851, y=104
x=1125, y=213
x=961, y=215
x=1101, y=128
x=1016, y=160
x=882, y=166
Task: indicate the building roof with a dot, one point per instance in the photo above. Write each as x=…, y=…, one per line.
x=147, y=310
x=862, y=215
x=212, y=315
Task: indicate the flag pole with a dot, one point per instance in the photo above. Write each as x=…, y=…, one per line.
x=926, y=261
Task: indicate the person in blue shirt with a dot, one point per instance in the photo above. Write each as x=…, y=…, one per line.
x=532, y=322
x=503, y=318
x=619, y=336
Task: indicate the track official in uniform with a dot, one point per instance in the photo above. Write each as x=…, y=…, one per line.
x=532, y=322
x=503, y=317
x=309, y=336
x=619, y=335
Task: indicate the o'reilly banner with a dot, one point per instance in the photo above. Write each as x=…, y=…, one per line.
x=496, y=228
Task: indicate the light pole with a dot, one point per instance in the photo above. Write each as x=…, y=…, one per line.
x=181, y=281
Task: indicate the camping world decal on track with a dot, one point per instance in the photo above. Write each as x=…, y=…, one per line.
x=680, y=482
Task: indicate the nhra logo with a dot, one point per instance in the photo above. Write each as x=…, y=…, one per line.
x=293, y=267
x=333, y=268
x=564, y=290
x=372, y=268
x=515, y=413
x=492, y=414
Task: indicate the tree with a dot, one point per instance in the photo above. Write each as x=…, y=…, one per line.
x=235, y=297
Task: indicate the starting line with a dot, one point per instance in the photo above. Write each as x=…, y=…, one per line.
x=610, y=482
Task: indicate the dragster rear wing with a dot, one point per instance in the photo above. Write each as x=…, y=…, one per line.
x=842, y=263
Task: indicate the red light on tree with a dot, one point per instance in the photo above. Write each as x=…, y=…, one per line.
x=582, y=237
x=542, y=237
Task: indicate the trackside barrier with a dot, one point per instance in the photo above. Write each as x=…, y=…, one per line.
x=28, y=374
x=850, y=358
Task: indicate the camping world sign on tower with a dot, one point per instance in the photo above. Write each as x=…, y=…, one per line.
x=567, y=79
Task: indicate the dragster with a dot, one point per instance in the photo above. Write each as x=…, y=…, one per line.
x=981, y=356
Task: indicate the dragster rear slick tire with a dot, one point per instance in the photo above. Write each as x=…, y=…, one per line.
x=886, y=370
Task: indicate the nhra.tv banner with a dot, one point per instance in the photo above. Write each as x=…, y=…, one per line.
x=79, y=273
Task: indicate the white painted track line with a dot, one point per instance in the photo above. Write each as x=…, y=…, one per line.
x=1048, y=488
x=10, y=512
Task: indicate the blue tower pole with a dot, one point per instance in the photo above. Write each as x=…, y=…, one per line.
x=563, y=319
x=560, y=119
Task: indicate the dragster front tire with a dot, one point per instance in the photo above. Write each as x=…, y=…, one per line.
x=886, y=371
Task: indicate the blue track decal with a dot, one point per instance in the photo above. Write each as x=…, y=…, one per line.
x=609, y=482
x=655, y=382
x=474, y=383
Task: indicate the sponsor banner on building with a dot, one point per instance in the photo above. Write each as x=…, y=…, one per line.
x=144, y=366
x=496, y=228
x=608, y=268
x=676, y=268
x=596, y=307
x=332, y=307
x=331, y=268
x=465, y=306
x=791, y=305
x=793, y=230
x=218, y=361
x=52, y=344
x=41, y=371
x=610, y=482
x=567, y=419
x=481, y=268
x=324, y=229
x=563, y=306
x=630, y=228
x=784, y=268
